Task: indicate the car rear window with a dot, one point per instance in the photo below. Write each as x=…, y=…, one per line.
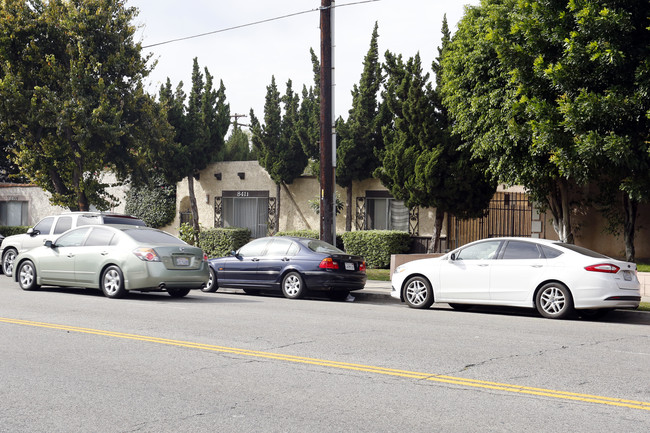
x=123, y=219
x=153, y=237
x=582, y=250
x=323, y=247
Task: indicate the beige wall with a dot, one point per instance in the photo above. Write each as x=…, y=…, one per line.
x=39, y=205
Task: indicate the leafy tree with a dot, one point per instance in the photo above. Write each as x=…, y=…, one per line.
x=154, y=202
x=309, y=118
x=200, y=127
x=552, y=94
x=277, y=141
x=360, y=137
x=237, y=147
x=424, y=164
x=73, y=103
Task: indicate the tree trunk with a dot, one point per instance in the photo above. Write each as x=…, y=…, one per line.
x=434, y=246
x=558, y=204
x=630, y=207
x=193, y=208
x=348, y=211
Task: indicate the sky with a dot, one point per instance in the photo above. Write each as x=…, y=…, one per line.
x=246, y=57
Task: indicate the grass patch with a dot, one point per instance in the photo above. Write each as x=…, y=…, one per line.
x=643, y=267
x=378, y=274
x=644, y=306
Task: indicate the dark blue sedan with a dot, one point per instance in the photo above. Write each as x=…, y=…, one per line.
x=292, y=264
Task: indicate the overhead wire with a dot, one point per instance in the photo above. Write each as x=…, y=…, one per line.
x=251, y=24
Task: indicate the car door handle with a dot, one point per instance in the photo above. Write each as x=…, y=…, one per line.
x=483, y=264
x=70, y=255
x=285, y=259
x=104, y=253
x=537, y=266
x=255, y=260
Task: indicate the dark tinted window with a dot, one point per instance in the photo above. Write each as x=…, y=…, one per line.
x=44, y=226
x=551, y=253
x=72, y=239
x=63, y=224
x=323, y=247
x=121, y=219
x=99, y=237
x=278, y=247
x=521, y=250
x=153, y=237
x=254, y=248
x=581, y=250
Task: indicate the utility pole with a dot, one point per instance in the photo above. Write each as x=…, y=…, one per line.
x=327, y=155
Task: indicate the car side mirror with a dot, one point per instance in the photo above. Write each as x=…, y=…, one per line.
x=452, y=257
x=48, y=243
x=32, y=232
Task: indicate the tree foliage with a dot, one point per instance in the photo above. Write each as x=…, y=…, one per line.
x=153, y=202
x=73, y=104
x=554, y=95
x=360, y=138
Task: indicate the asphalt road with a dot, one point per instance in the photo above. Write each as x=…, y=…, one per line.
x=74, y=361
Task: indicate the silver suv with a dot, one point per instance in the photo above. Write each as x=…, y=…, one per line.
x=50, y=227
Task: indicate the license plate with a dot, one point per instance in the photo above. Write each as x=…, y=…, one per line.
x=182, y=261
x=627, y=276
x=349, y=266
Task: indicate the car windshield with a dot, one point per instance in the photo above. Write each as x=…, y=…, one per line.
x=323, y=247
x=153, y=237
x=582, y=250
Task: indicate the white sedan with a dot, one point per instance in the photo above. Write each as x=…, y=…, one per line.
x=553, y=277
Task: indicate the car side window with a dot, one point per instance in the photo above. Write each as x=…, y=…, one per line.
x=278, y=247
x=521, y=250
x=480, y=251
x=73, y=239
x=254, y=248
x=63, y=224
x=551, y=253
x=99, y=237
x=87, y=220
x=44, y=226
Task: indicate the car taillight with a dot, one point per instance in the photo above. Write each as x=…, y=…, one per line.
x=146, y=254
x=205, y=257
x=362, y=266
x=607, y=268
x=328, y=263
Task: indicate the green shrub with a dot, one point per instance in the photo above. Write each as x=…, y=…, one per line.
x=186, y=233
x=12, y=230
x=376, y=246
x=311, y=234
x=154, y=203
x=220, y=242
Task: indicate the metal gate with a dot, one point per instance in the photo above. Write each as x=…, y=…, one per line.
x=509, y=214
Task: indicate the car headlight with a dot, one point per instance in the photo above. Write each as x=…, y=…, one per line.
x=400, y=269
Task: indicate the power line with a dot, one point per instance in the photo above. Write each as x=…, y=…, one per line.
x=250, y=24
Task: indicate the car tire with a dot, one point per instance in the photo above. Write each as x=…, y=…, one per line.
x=293, y=286
x=418, y=293
x=554, y=301
x=8, y=261
x=178, y=293
x=27, y=276
x=211, y=286
x=112, y=282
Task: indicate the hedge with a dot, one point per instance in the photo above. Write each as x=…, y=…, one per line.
x=312, y=234
x=376, y=246
x=220, y=242
x=13, y=230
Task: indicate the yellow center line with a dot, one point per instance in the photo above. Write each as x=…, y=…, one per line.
x=610, y=401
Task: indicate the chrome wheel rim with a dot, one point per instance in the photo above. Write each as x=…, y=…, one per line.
x=8, y=263
x=416, y=292
x=292, y=285
x=553, y=300
x=26, y=275
x=112, y=282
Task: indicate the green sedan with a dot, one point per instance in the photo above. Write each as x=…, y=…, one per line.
x=115, y=259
